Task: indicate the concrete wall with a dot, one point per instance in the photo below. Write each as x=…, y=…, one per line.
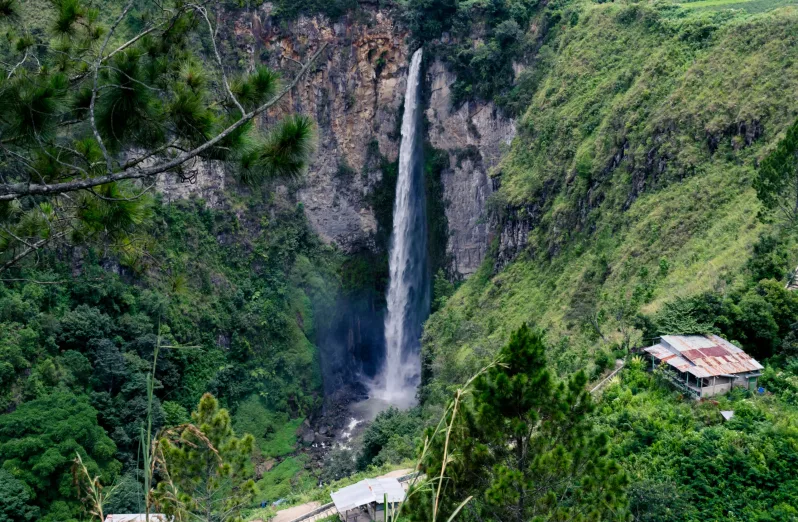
x=745, y=382
x=722, y=385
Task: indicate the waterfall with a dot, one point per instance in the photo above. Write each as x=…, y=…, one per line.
x=408, y=294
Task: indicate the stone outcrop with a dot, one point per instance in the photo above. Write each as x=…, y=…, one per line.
x=355, y=93
x=203, y=179
x=474, y=135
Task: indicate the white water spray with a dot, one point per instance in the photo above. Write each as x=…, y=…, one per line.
x=408, y=293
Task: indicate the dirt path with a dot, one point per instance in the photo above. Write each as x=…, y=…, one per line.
x=291, y=513
x=397, y=473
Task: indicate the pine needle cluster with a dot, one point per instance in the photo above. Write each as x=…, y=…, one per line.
x=94, y=109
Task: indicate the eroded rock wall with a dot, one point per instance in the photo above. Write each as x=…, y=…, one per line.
x=474, y=135
x=355, y=93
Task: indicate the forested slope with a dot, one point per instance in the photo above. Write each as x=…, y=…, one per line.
x=630, y=183
x=626, y=209
x=234, y=302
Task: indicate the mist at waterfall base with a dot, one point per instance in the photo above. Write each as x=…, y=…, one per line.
x=370, y=342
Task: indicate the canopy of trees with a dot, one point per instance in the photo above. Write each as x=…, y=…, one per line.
x=39, y=440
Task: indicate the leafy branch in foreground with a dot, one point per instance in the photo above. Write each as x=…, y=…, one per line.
x=92, y=114
x=430, y=483
x=94, y=496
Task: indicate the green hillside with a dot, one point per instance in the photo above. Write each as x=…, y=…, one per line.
x=633, y=170
x=631, y=183
x=238, y=302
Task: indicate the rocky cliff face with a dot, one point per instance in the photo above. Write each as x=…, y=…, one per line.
x=474, y=135
x=355, y=92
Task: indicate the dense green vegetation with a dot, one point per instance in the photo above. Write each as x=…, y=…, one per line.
x=633, y=171
x=333, y=9
x=39, y=441
x=646, y=136
x=483, y=41
x=522, y=449
x=653, y=181
x=686, y=463
x=77, y=339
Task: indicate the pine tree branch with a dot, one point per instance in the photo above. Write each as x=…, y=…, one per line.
x=10, y=192
x=137, y=38
x=95, y=89
x=171, y=21
x=132, y=198
x=19, y=239
x=34, y=247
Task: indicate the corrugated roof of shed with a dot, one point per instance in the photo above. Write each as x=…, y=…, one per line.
x=368, y=491
x=703, y=355
x=135, y=517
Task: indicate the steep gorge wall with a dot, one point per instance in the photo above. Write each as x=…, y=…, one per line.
x=629, y=185
x=474, y=135
x=355, y=93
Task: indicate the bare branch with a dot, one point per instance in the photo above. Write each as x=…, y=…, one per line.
x=33, y=248
x=132, y=198
x=132, y=163
x=19, y=239
x=34, y=281
x=133, y=40
x=295, y=61
x=212, y=34
x=14, y=69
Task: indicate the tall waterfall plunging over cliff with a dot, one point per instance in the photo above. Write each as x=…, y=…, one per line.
x=408, y=294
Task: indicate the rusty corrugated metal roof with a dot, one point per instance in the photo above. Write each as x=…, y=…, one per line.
x=703, y=355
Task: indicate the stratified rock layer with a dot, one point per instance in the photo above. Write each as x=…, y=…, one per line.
x=474, y=135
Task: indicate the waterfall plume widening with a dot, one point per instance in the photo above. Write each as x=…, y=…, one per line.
x=408, y=293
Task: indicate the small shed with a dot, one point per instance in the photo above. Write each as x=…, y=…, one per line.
x=704, y=365
x=365, y=501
